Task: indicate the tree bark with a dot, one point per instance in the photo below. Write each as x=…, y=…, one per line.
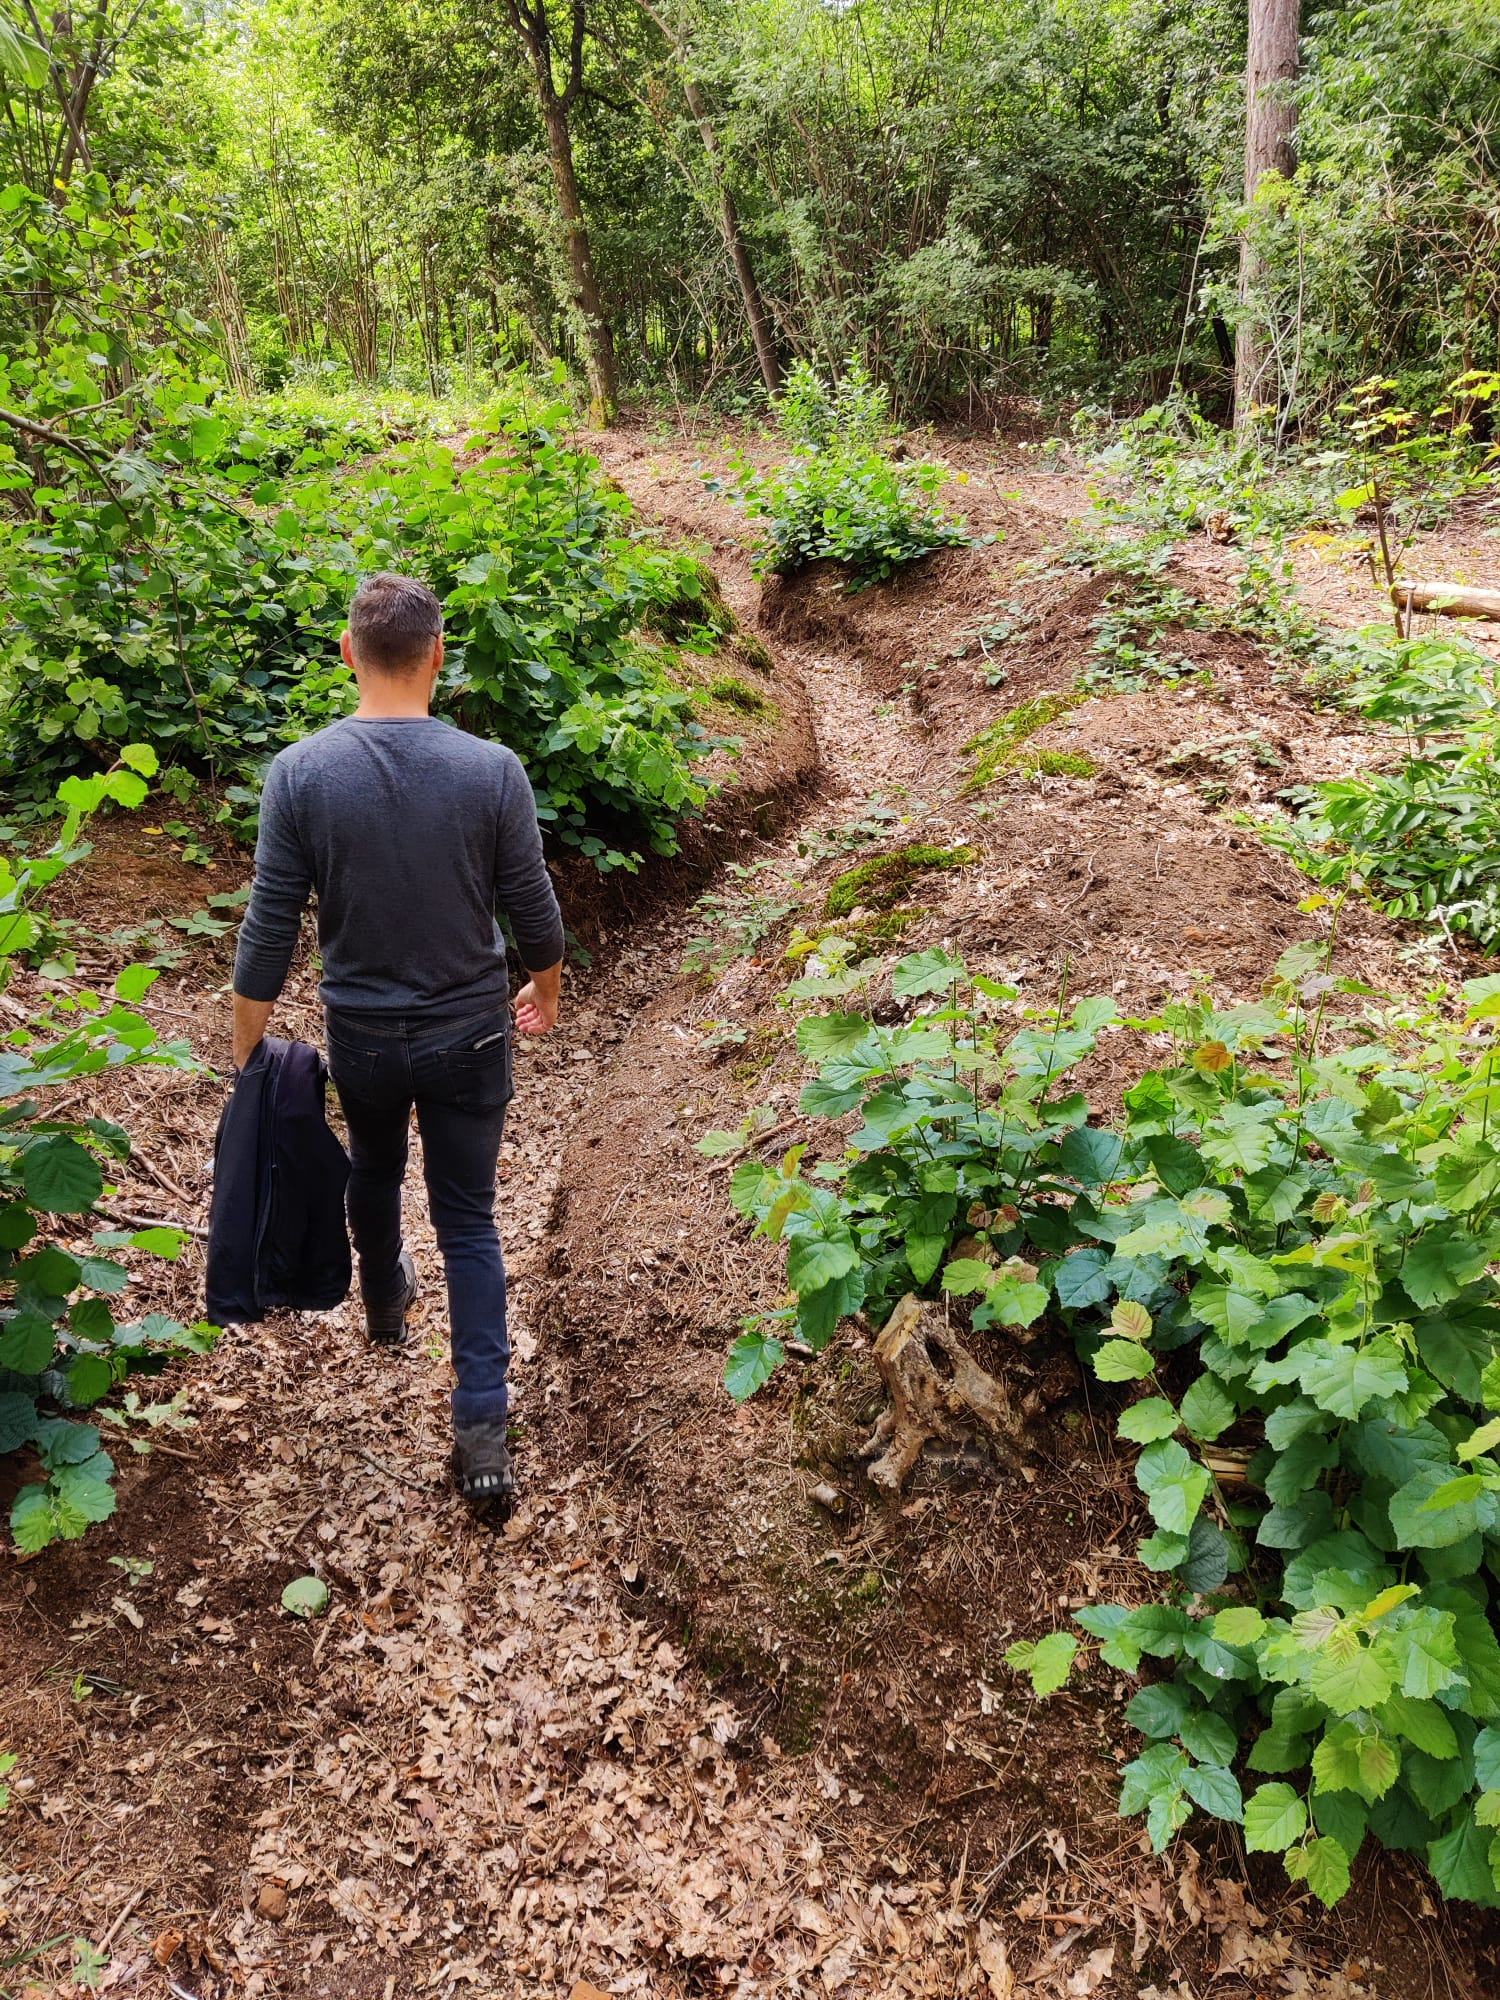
x=734, y=241
x=535, y=30
x=1271, y=61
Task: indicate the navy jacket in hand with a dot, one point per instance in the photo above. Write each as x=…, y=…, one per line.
x=276, y=1230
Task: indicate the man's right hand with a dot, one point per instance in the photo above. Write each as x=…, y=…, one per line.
x=538, y=1001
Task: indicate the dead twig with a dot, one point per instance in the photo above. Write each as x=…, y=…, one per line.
x=753, y=1145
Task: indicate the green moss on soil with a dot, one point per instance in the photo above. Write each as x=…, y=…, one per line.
x=997, y=749
x=732, y=692
x=753, y=652
x=1056, y=764
x=881, y=883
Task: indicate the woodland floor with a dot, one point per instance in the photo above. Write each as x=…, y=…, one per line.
x=680, y=1730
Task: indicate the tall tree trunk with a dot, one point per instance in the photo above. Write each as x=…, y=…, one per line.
x=531, y=23
x=1270, y=130
x=734, y=242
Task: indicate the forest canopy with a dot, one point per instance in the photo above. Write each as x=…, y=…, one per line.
x=979, y=198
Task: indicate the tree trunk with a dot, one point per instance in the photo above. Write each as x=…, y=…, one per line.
x=604, y=392
x=1270, y=128
x=735, y=244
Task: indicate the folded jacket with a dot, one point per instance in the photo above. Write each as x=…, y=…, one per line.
x=277, y=1237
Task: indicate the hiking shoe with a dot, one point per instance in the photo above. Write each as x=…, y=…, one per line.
x=482, y=1470
x=386, y=1324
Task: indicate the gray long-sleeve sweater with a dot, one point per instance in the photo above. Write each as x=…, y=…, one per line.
x=412, y=833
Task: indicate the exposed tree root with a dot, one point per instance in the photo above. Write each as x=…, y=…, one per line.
x=937, y=1389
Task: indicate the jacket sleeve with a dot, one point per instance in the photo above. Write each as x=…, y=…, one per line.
x=283, y=882
x=523, y=888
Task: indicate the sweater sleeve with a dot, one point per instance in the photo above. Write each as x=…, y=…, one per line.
x=523, y=888
x=283, y=882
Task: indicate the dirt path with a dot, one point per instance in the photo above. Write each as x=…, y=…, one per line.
x=498, y=1767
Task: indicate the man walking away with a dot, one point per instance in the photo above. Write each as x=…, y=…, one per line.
x=412, y=833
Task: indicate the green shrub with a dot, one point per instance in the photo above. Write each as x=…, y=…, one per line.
x=206, y=623
x=62, y=1350
x=839, y=498
x=1423, y=841
x=1287, y=1245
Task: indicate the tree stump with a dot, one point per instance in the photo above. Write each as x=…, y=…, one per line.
x=937, y=1390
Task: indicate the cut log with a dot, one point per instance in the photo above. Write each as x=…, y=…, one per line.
x=937, y=1390
x=1456, y=600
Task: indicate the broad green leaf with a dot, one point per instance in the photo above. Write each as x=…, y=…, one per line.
x=922, y=972
x=752, y=1360
x=1131, y=1320
x=1240, y=1625
x=135, y=982
x=1047, y=1661
x=26, y=1343
x=966, y=1275
x=1274, y=1817
x=813, y=1262
x=1460, y=1862
x=1122, y=1361
x=820, y=1036
x=1344, y=1379
x=1352, y=1759
x=1148, y=1420
x=1159, y=1709
x=1207, y=1408
x=1421, y=1723
x=1091, y=1155
x=1216, y=1789
x=1417, y=1526
x=60, y=1176
x=305, y=1597
x=1325, y=1870
x=1205, y=1565
x=1208, y=1738
x=1359, y=1680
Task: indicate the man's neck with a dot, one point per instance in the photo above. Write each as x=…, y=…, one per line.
x=393, y=702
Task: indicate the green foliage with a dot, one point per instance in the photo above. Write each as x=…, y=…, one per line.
x=62, y=1349
x=839, y=497
x=190, y=592
x=1289, y=1243
x=1423, y=840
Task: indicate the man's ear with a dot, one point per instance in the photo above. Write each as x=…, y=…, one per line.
x=437, y=656
x=346, y=650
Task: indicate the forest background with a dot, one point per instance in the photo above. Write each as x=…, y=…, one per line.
x=981, y=198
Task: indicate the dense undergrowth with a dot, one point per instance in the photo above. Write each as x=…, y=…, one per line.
x=1281, y=1261
x=176, y=563
x=63, y=1351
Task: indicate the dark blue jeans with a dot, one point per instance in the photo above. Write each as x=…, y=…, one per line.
x=458, y=1075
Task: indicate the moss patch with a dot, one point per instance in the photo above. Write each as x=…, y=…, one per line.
x=880, y=884
x=873, y=933
x=698, y=605
x=732, y=692
x=1055, y=764
x=753, y=652
x=998, y=748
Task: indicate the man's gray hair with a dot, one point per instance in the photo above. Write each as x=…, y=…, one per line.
x=393, y=621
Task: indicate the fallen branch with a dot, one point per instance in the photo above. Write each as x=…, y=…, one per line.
x=1455, y=600
x=753, y=1145
x=937, y=1389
